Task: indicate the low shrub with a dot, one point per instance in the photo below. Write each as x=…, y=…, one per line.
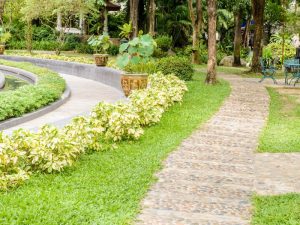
x=179, y=66
x=28, y=98
x=164, y=42
x=84, y=48
x=52, y=149
x=158, y=53
x=113, y=50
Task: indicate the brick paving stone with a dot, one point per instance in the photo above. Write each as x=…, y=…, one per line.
x=210, y=178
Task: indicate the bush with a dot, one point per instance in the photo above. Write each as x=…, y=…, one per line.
x=52, y=149
x=28, y=98
x=71, y=42
x=164, y=42
x=43, y=33
x=276, y=50
x=113, y=50
x=179, y=66
x=158, y=53
x=84, y=48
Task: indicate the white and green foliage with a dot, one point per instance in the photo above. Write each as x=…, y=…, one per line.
x=100, y=44
x=138, y=50
x=51, y=149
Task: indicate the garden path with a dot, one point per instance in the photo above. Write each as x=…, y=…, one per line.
x=211, y=177
x=84, y=95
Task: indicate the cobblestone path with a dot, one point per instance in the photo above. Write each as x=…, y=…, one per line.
x=210, y=178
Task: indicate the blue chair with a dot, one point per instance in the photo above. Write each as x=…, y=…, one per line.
x=268, y=69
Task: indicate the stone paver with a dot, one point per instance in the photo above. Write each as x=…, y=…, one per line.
x=84, y=95
x=277, y=173
x=210, y=178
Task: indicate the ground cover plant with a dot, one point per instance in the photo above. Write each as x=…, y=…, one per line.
x=282, y=131
x=28, y=98
x=274, y=210
x=106, y=187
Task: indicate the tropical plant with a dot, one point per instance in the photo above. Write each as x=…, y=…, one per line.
x=281, y=38
x=4, y=36
x=100, y=44
x=126, y=30
x=140, y=49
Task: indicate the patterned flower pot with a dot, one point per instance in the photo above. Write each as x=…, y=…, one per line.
x=101, y=59
x=131, y=82
x=2, y=48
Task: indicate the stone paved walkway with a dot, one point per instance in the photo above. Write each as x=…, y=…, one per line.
x=85, y=94
x=210, y=178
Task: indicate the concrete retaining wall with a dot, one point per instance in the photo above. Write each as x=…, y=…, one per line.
x=2, y=81
x=105, y=75
x=30, y=116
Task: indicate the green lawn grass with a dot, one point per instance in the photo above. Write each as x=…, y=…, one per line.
x=107, y=187
x=277, y=210
x=241, y=71
x=283, y=128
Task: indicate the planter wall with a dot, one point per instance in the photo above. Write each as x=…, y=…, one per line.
x=105, y=75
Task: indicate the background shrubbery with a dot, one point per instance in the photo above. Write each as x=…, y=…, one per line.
x=179, y=66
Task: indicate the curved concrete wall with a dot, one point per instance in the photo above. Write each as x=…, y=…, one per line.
x=105, y=75
x=31, y=77
x=2, y=81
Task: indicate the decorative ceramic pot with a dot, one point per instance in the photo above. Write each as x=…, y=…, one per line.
x=131, y=82
x=101, y=59
x=2, y=48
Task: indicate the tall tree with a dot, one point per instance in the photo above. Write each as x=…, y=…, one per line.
x=237, y=38
x=258, y=7
x=152, y=10
x=134, y=6
x=196, y=18
x=211, y=77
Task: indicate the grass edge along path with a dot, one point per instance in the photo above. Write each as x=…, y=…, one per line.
x=107, y=187
x=276, y=210
x=281, y=133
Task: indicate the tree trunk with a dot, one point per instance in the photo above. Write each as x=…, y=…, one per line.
x=258, y=7
x=211, y=77
x=237, y=39
x=28, y=35
x=105, y=23
x=152, y=9
x=134, y=6
x=196, y=19
x=246, y=34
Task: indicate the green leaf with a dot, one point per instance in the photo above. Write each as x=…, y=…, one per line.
x=123, y=47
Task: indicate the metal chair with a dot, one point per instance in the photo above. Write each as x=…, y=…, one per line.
x=268, y=69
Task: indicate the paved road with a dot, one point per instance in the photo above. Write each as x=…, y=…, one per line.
x=84, y=95
x=210, y=178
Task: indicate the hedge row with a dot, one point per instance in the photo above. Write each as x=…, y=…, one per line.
x=28, y=98
x=52, y=149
